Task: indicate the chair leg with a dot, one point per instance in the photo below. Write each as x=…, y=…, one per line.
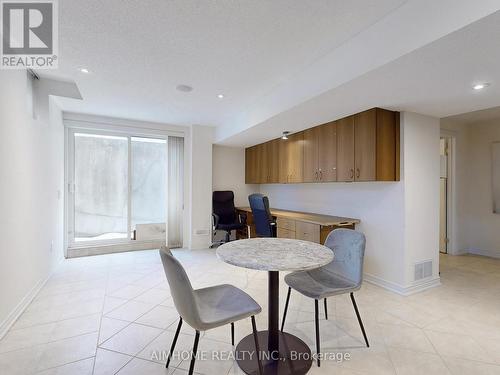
x=326, y=309
x=359, y=319
x=172, y=347
x=286, y=308
x=232, y=334
x=316, y=318
x=193, y=354
x=257, y=349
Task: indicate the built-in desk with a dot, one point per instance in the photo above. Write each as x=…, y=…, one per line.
x=299, y=225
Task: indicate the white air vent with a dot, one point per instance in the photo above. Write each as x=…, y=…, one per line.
x=423, y=270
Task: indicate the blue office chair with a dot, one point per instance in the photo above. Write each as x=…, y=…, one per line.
x=265, y=226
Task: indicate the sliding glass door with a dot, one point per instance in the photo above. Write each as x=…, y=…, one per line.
x=101, y=178
x=119, y=188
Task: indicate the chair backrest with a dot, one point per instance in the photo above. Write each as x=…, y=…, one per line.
x=349, y=248
x=180, y=288
x=261, y=215
x=223, y=206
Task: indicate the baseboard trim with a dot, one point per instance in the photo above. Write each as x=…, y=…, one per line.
x=83, y=251
x=21, y=306
x=402, y=290
x=24, y=303
x=484, y=253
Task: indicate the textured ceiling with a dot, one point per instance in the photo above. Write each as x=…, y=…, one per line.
x=281, y=64
x=139, y=51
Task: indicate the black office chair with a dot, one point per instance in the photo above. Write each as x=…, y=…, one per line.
x=264, y=223
x=224, y=214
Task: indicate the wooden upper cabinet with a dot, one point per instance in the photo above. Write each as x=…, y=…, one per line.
x=327, y=152
x=345, y=149
x=283, y=147
x=362, y=147
x=387, y=145
x=311, y=154
x=296, y=157
x=365, y=146
x=262, y=170
x=291, y=158
x=251, y=165
x=320, y=153
x=273, y=161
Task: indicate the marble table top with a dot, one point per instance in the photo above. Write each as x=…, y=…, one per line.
x=275, y=254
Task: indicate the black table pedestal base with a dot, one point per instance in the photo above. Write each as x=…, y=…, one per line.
x=294, y=355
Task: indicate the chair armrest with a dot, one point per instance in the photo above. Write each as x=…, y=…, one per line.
x=216, y=220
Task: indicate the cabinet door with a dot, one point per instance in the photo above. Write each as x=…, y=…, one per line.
x=365, y=150
x=273, y=161
x=327, y=152
x=262, y=163
x=283, y=149
x=250, y=165
x=285, y=233
x=387, y=145
x=296, y=157
x=345, y=149
x=307, y=231
x=311, y=173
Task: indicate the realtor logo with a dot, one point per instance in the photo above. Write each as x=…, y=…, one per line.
x=29, y=34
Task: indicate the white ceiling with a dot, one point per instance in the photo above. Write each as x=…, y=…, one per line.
x=140, y=51
x=435, y=80
x=281, y=64
x=471, y=118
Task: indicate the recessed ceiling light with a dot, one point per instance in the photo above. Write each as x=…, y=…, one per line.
x=84, y=70
x=184, y=88
x=285, y=135
x=480, y=86
x=220, y=96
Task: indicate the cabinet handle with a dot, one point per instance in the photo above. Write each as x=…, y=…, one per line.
x=316, y=174
x=320, y=175
x=358, y=173
x=352, y=173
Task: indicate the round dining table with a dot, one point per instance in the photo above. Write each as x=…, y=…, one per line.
x=281, y=352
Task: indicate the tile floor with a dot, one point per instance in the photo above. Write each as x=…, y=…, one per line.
x=113, y=314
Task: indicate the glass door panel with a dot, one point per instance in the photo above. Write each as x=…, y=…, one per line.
x=100, y=187
x=148, y=187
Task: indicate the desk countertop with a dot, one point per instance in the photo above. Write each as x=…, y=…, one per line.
x=325, y=220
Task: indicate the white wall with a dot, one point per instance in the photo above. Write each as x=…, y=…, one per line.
x=379, y=206
x=476, y=226
x=229, y=173
x=421, y=183
x=31, y=204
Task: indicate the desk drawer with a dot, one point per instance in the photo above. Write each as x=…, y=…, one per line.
x=307, y=231
x=285, y=233
x=285, y=223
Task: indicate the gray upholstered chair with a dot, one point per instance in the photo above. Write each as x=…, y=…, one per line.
x=343, y=275
x=206, y=308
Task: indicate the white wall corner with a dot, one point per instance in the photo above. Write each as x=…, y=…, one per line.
x=421, y=196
